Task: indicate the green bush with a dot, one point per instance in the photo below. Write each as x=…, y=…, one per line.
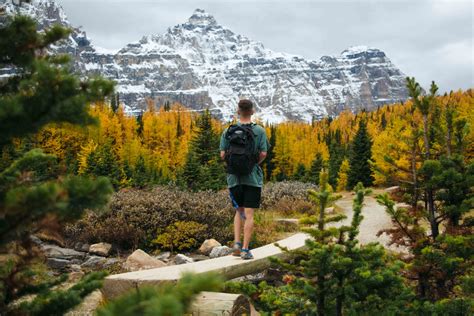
x=180, y=235
x=135, y=216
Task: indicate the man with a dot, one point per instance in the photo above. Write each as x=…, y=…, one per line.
x=244, y=147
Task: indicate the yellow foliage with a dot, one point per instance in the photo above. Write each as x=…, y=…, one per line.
x=343, y=175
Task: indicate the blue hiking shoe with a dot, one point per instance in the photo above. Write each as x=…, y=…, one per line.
x=236, y=250
x=246, y=254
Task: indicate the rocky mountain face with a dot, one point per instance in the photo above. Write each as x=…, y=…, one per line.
x=202, y=64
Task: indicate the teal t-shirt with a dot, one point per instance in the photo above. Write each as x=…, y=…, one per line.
x=255, y=178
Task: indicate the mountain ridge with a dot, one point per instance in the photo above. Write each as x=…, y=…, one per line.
x=203, y=64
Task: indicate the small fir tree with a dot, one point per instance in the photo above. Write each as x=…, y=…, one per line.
x=361, y=153
x=32, y=192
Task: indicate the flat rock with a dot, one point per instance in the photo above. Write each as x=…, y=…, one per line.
x=140, y=260
x=53, y=251
x=58, y=264
x=208, y=245
x=182, y=259
x=101, y=249
x=393, y=189
x=94, y=262
x=198, y=257
x=220, y=251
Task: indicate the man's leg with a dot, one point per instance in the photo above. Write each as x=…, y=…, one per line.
x=238, y=224
x=248, y=227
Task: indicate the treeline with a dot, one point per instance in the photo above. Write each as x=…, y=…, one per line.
x=172, y=144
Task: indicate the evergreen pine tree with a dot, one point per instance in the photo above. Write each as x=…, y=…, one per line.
x=140, y=174
x=336, y=155
x=179, y=128
x=202, y=170
x=300, y=173
x=361, y=153
x=27, y=203
x=140, y=123
x=269, y=161
x=315, y=169
x=114, y=102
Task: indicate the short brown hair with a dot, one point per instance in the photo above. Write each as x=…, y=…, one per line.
x=245, y=106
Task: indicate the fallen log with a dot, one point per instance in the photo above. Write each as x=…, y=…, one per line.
x=214, y=304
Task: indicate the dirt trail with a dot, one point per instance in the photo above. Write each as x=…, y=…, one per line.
x=375, y=219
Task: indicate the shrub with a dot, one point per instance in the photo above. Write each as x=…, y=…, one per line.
x=180, y=235
x=135, y=216
x=287, y=197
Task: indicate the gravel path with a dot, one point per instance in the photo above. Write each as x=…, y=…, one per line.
x=375, y=219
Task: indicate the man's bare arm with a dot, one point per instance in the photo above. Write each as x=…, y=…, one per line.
x=262, y=157
x=222, y=154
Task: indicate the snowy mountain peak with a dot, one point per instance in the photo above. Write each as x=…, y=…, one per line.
x=202, y=64
x=201, y=18
x=362, y=50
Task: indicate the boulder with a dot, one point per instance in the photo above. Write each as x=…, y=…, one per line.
x=208, y=245
x=220, y=251
x=53, y=251
x=182, y=259
x=94, y=262
x=140, y=260
x=100, y=249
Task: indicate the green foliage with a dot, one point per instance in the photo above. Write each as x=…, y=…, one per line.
x=361, y=153
x=58, y=301
x=104, y=162
x=180, y=235
x=334, y=275
x=166, y=299
x=315, y=169
x=32, y=190
x=300, y=173
x=140, y=175
x=203, y=169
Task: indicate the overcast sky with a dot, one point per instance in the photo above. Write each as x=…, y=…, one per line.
x=431, y=40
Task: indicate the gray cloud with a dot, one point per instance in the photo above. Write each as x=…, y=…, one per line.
x=431, y=40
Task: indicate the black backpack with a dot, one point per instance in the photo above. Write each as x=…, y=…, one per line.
x=241, y=157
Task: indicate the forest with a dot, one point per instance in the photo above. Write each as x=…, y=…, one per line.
x=75, y=167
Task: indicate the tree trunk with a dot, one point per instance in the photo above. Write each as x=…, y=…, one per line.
x=432, y=214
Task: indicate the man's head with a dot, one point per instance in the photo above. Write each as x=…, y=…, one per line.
x=245, y=108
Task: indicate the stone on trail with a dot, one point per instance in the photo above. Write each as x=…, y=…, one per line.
x=101, y=249
x=220, y=251
x=208, y=245
x=181, y=259
x=164, y=256
x=140, y=260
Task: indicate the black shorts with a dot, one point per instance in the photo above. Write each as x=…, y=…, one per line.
x=245, y=196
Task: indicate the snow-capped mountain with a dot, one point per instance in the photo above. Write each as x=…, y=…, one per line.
x=202, y=64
